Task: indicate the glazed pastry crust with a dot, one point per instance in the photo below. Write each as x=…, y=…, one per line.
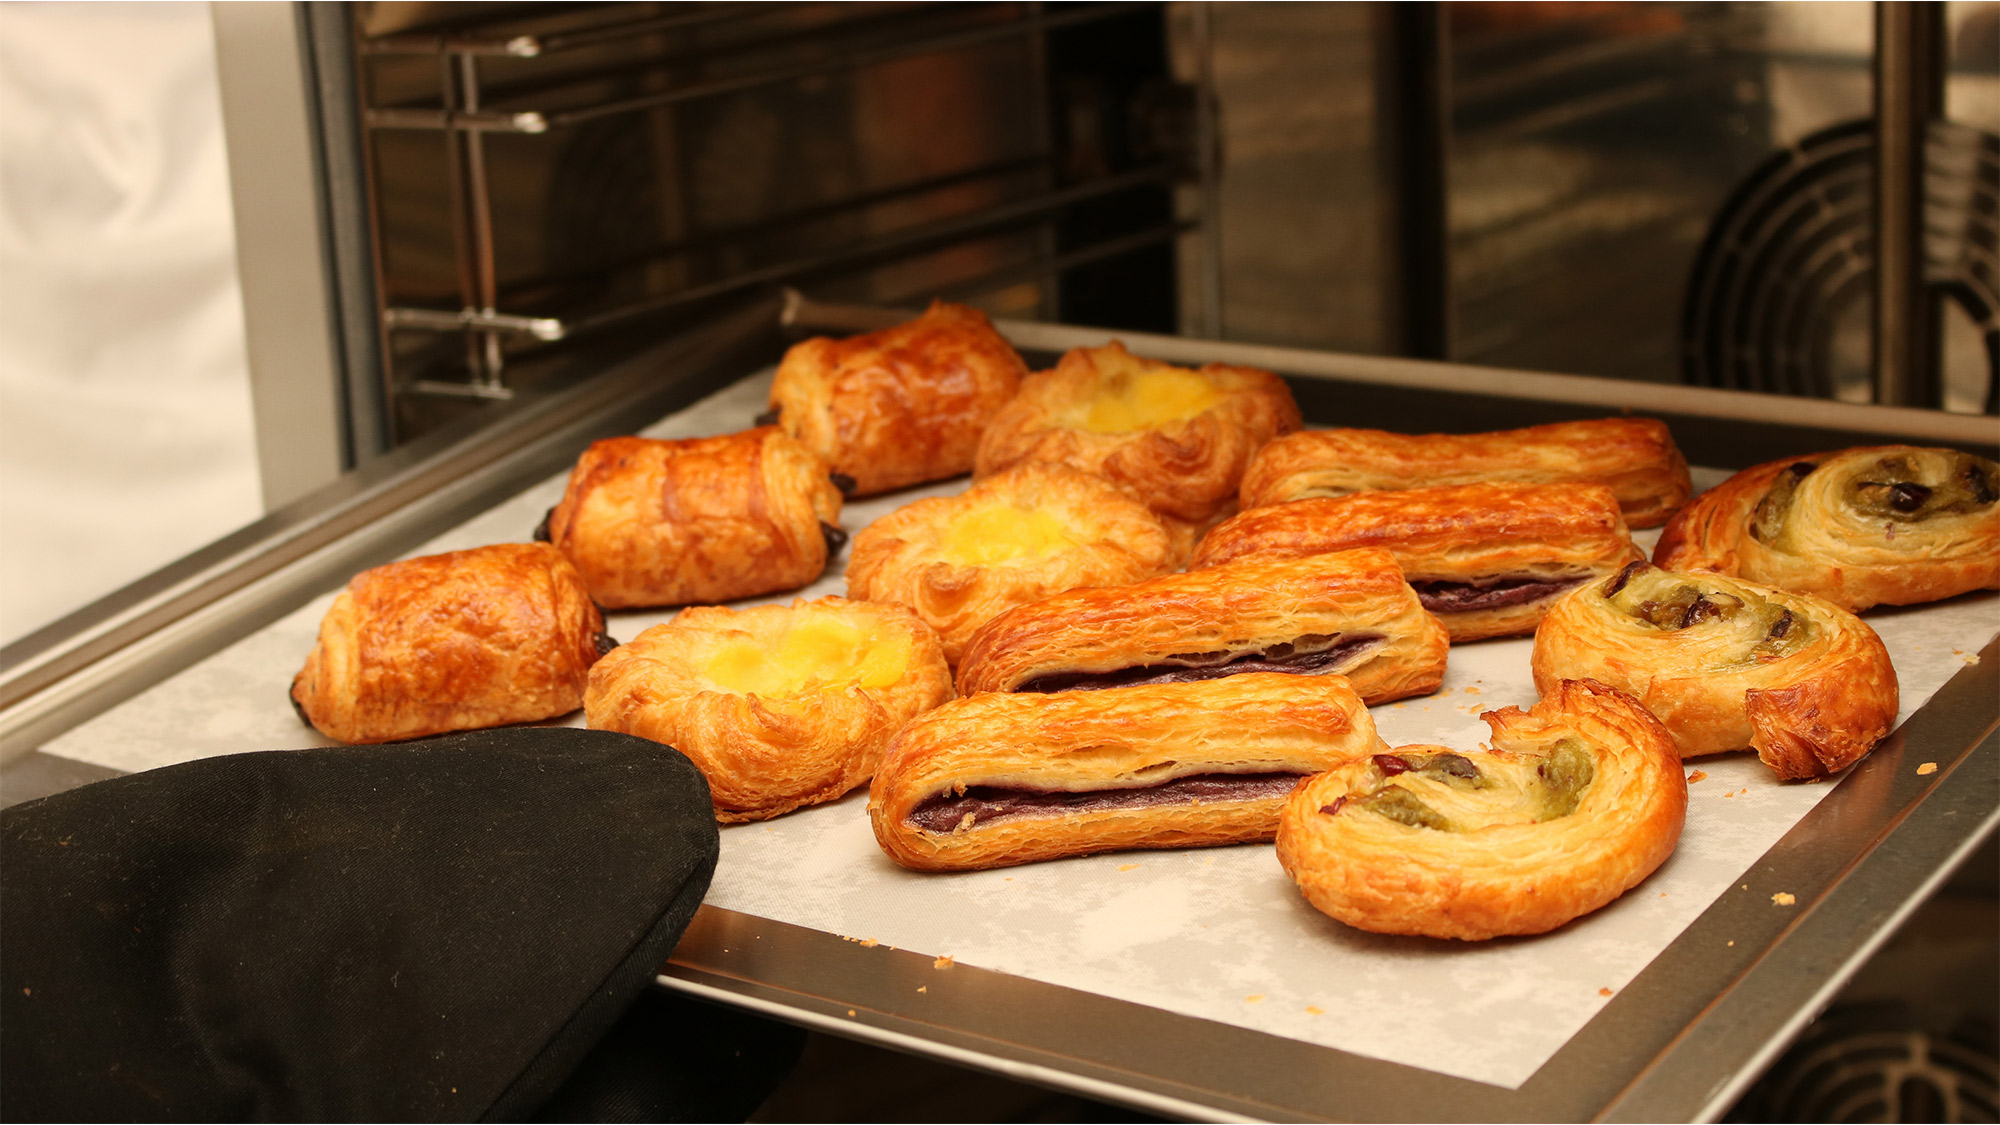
x=1458, y=533
x=1187, y=468
x=1810, y=708
x=1832, y=547
x=1245, y=607
x=905, y=557
x=769, y=753
x=702, y=520
x=1635, y=458
x=900, y=406
x=459, y=641
x=1117, y=738
x=1509, y=871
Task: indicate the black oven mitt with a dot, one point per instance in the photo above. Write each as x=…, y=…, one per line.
x=431, y=930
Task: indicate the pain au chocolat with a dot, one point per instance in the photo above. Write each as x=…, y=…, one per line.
x=1578, y=801
x=459, y=641
x=1891, y=524
x=779, y=706
x=1727, y=664
x=900, y=406
x=651, y=523
x=1487, y=559
x=998, y=779
x=1348, y=613
x=1635, y=458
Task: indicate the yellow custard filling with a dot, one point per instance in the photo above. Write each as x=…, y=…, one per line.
x=813, y=653
x=1154, y=396
x=1002, y=533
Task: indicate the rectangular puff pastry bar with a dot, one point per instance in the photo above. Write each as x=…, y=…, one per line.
x=1634, y=457
x=1487, y=559
x=999, y=779
x=1348, y=613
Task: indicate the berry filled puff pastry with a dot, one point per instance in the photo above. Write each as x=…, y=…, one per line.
x=900, y=406
x=1577, y=802
x=998, y=779
x=780, y=707
x=1013, y=538
x=1348, y=614
x=702, y=520
x=1487, y=559
x=480, y=638
x=1889, y=524
x=1726, y=664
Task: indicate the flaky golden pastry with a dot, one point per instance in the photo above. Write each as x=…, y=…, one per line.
x=780, y=706
x=1012, y=538
x=1635, y=458
x=1487, y=559
x=459, y=641
x=1175, y=437
x=1890, y=524
x=1576, y=803
x=1348, y=613
x=997, y=779
x=702, y=520
x=900, y=406
x=1726, y=664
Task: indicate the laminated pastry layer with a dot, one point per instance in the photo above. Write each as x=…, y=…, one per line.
x=459, y=641
x=1727, y=664
x=780, y=707
x=900, y=406
x=1487, y=559
x=713, y=519
x=1577, y=802
x=1894, y=525
x=1348, y=613
x=1635, y=458
x=999, y=778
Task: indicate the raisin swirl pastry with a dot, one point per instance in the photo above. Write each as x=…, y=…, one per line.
x=1635, y=458
x=1348, y=614
x=1891, y=524
x=459, y=641
x=900, y=406
x=1013, y=538
x=780, y=706
x=1487, y=559
x=998, y=779
x=1727, y=664
x=700, y=520
x=1578, y=801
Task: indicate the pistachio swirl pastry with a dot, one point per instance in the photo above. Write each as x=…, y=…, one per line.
x=1348, y=613
x=1727, y=664
x=900, y=406
x=1012, y=538
x=1578, y=801
x=780, y=706
x=998, y=779
x=1487, y=559
x=701, y=520
x=1889, y=524
x=1635, y=458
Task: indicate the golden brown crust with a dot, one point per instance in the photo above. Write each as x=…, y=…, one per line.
x=1511, y=861
x=1175, y=437
x=946, y=558
x=1806, y=683
x=459, y=641
x=1833, y=529
x=701, y=520
x=1635, y=458
x=1178, y=624
x=1122, y=739
x=900, y=406
x=1470, y=533
x=806, y=738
